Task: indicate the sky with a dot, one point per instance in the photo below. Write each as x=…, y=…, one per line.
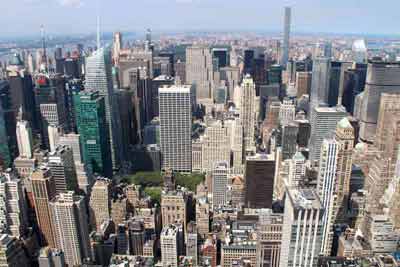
x=24, y=17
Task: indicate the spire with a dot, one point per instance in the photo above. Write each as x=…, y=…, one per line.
x=98, y=25
x=44, y=58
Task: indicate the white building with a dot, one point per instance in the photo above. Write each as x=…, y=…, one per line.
x=297, y=169
x=24, y=139
x=327, y=191
x=175, y=106
x=287, y=112
x=220, y=183
x=169, y=245
x=70, y=223
x=302, y=228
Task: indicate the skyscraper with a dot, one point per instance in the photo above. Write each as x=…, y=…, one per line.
x=327, y=189
x=71, y=227
x=99, y=77
x=320, y=83
x=302, y=221
x=62, y=167
x=24, y=139
x=286, y=35
x=199, y=70
x=220, y=181
x=382, y=77
x=245, y=100
x=259, y=177
x=14, y=213
x=176, y=127
x=323, y=125
x=100, y=202
x=91, y=122
x=43, y=189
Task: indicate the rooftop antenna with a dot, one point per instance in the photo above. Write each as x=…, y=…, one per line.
x=44, y=58
x=98, y=24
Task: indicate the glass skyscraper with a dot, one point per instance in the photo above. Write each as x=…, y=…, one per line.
x=90, y=115
x=99, y=77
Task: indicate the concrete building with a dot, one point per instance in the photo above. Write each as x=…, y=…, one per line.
x=200, y=71
x=169, y=245
x=245, y=100
x=13, y=211
x=303, y=83
x=12, y=253
x=174, y=207
x=203, y=216
x=238, y=251
x=287, y=112
x=323, y=125
x=24, y=139
x=44, y=190
x=320, y=83
x=100, y=202
x=70, y=224
x=302, y=221
x=269, y=238
x=62, y=167
x=297, y=170
x=176, y=127
x=220, y=183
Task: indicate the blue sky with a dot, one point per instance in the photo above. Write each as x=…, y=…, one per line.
x=20, y=17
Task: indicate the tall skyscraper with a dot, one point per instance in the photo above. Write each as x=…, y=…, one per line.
x=99, y=77
x=320, y=83
x=327, y=189
x=259, y=177
x=344, y=137
x=220, y=182
x=199, y=70
x=43, y=189
x=382, y=77
x=100, y=202
x=91, y=122
x=245, y=99
x=117, y=46
x=176, y=127
x=71, y=227
x=323, y=125
x=286, y=36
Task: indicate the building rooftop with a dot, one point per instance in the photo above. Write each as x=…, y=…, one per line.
x=175, y=89
x=304, y=198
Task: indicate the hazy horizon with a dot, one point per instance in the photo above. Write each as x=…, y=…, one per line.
x=353, y=17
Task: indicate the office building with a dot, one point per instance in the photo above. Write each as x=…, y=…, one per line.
x=352, y=83
x=176, y=127
x=43, y=189
x=70, y=224
x=359, y=51
x=222, y=54
x=200, y=71
x=14, y=211
x=297, y=170
x=287, y=112
x=231, y=253
x=302, y=221
x=24, y=139
x=136, y=237
x=92, y=127
x=286, y=34
x=50, y=257
x=220, y=173
x=289, y=140
x=320, y=83
x=231, y=76
x=98, y=76
x=327, y=187
x=381, y=78
x=169, y=245
x=245, y=100
x=269, y=238
x=259, y=177
x=100, y=202
x=202, y=216
x=303, y=83
x=174, y=207
x=62, y=167
x=323, y=125
x=344, y=136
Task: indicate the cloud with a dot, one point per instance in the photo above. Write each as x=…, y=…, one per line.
x=71, y=3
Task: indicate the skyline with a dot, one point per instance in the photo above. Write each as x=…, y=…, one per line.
x=309, y=16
